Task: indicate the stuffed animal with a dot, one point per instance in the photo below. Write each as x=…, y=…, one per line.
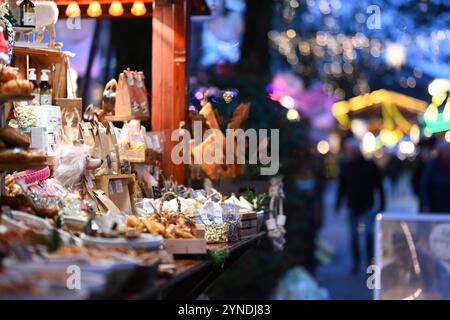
x=46, y=17
x=72, y=162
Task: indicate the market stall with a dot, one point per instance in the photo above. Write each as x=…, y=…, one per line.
x=88, y=204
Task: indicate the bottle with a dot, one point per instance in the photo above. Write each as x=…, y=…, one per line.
x=27, y=14
x=45, y=89
x=36, y=90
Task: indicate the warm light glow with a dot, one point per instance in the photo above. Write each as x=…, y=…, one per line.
x=116, y=9
x=73, y=10
x=395, y=54
x=446, y=112
x=414, y=133
x=293, y=115
x=138, y=8
x=323, y=147
x=447, y=136
x=432, y=113
x=94, y=10
x=369, y=143
x=438, y=85
x=358, y=127
x=439, y=98
x=389, y=138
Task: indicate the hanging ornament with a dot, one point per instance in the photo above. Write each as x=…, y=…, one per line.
x=229, y=95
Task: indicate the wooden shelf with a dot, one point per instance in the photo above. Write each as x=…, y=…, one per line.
x=125, y=118
x=5, y=97
x=38, y=50
x=193, y=276
x=21, y=166
x=25, y=29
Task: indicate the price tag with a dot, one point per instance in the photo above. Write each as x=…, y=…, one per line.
x=155, y=141
x=119, y=186
x=111, y=187
x=204, y=213
x=218, y=218
x=281, y=220
x=90, y=183
x=86, y=130
x=271, y=224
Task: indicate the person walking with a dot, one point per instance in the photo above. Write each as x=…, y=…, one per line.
x=358, y=180
x=435, y=181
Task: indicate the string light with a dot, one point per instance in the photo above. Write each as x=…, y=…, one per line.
x=116, y=9
x=73, y=10
x=94, y=10
x=138, y=8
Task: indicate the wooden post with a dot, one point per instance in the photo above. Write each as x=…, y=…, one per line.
x=169, y=75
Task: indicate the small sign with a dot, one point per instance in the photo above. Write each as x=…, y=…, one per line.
x=110, y=187
x=119, y=186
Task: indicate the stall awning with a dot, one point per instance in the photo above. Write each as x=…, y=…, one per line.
x=377, y=104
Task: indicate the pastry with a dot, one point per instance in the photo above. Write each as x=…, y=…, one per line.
x=14, y=138
x=132, y=222
x=7, y=74
x=17, y=86
x=12, y=156
x=36, y=157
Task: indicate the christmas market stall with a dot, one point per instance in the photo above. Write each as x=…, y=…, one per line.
x=88, y=187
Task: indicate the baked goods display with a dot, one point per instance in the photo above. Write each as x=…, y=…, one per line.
x=15, y=152
x=10, y=82
x=17, y=86
x=14, y=138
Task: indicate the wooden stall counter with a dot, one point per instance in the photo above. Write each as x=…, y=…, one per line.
x=193, y=276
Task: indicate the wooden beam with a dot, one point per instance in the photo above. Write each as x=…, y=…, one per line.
x=169, y=75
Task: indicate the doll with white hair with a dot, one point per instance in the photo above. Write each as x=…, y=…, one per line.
x=72, y=162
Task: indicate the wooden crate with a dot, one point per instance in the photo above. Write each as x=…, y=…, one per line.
x=110, y=184
x=185, y=246
x=248, y=224
x=44, y=58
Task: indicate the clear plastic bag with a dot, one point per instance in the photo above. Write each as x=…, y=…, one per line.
x=132, y=141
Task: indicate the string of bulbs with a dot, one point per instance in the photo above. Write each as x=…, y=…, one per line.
x=116, y=9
